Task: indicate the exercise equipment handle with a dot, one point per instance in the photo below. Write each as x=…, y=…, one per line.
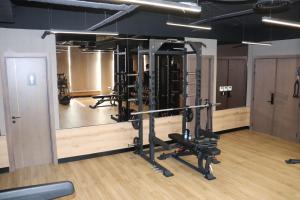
x=272, y=99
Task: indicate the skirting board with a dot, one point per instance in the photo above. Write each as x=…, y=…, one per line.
x=103, y=138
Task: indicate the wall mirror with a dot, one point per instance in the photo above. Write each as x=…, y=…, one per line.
x=97, y=79
x=231, y=85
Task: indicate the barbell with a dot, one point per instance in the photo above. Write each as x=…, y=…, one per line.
x=173, y=109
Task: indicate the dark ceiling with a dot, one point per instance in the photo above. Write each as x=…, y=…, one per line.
x=152, y=22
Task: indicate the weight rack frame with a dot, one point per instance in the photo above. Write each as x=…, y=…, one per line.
x=154, y=46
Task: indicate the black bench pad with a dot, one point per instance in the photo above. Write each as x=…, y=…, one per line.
x=104, y=96
x=208, y=145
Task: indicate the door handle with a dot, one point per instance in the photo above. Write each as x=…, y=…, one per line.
x=272, y=99
x=13, y=117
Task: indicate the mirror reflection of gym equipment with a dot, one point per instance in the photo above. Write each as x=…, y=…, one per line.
x=100, y=86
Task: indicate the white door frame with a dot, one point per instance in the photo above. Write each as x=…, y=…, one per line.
x=3, y=71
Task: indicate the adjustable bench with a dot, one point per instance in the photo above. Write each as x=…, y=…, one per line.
x=103, y=98
x=205, y=149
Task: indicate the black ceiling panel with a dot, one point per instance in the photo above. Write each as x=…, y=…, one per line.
x=153, y=22
x=6, y=13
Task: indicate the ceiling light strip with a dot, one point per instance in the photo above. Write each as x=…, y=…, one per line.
x=271, y=20
x=256, y=43
x=167, y=5
x=71, y=32
x=189, y=26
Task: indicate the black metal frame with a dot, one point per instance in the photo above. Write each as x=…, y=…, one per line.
x=122, y=77
x=154, y=46
x=205, y=151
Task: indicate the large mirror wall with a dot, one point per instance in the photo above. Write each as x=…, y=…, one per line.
x=82, y=75
x=97, y=85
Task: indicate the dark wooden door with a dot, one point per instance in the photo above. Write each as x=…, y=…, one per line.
x=286, y=119
x=237, y=78
x=264, y=88
x=222, y=80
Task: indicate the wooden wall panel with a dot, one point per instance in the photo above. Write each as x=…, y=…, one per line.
x=106, y=72
x=95, y=139
x=3, y=152
x=62, y=63
x=231, y=118
x=85, y=70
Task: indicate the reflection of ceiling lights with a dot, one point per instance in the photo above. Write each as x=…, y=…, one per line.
x=167, y=4
x=136, y=39
x=189, y=26
x=256, y=43
x=272, y=5
x=77, y=33
x=271, y=20
x=94, y=50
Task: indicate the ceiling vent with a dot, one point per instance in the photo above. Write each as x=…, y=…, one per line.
x=266, y=6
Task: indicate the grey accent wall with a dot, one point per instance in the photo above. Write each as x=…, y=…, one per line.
x=29, y=42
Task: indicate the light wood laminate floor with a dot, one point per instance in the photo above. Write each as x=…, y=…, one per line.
x=79, y=114
x=252, y=168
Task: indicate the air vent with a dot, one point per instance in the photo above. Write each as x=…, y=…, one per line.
x=265, y=6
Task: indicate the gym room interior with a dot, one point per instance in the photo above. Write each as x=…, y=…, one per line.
x=161, y=99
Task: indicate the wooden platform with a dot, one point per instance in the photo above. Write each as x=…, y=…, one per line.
x=252, y=168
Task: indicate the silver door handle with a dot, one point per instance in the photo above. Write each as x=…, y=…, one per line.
x=13, y=117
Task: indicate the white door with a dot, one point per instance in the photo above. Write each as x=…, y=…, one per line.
x=28, y=117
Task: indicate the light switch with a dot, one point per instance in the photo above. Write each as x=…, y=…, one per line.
x=229, y=88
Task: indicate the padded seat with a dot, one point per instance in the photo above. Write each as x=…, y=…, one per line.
x=209, y=146
x=104, y=96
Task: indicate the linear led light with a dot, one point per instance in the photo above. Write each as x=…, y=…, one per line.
x=271, y=20
x=256, y=43
x=189, y=26
x=136, y=39
x=77, y=33
x=168, y=5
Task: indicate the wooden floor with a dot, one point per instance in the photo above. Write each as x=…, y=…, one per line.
x=79, y=114
x=252, y=168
